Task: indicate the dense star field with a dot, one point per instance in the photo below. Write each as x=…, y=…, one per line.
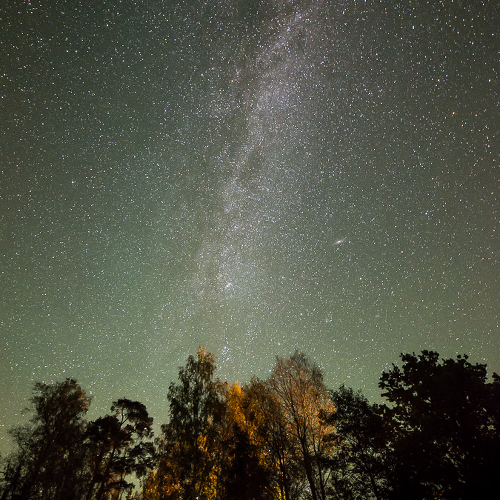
x=255, y=177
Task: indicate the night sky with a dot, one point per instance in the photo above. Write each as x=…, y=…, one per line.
x=257, y=177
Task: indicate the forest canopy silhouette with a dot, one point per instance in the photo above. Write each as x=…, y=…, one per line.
x=286, y=437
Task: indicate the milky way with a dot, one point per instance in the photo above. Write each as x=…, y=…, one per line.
x=255, y=177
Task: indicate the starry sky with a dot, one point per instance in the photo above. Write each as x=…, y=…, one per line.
x=257, y=177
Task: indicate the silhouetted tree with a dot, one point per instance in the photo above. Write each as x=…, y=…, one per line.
x=357, y=461
x=445, y=438
x=118, y=447
x=48, y=462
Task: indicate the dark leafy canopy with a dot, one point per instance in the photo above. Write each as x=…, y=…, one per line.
x=61, y=456
x=286, y=437
x=119, y=448
x=48, y=462
x=445, y=428
x=357, y=460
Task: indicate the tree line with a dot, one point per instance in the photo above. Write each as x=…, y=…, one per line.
x=287, y=437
